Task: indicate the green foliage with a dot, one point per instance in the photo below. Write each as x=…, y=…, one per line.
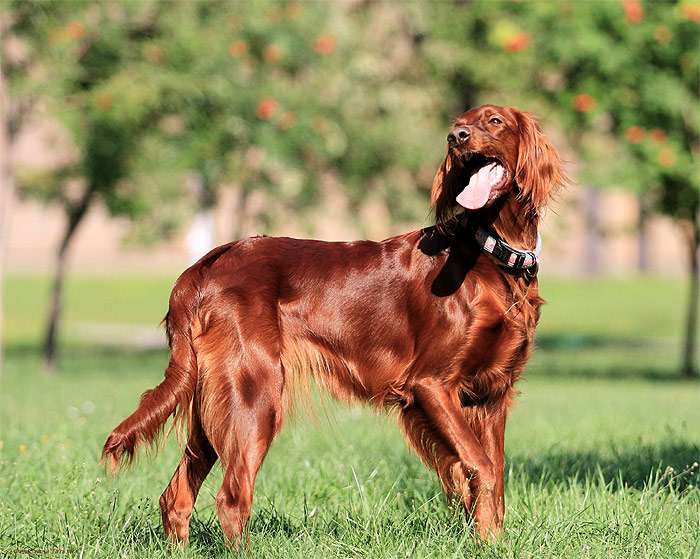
x=83, y=70
x=275, y=96
x=630, y=71
x=280, y=96
x=620, y=78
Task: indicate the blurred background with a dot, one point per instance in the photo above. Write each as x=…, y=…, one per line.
x=136, y=135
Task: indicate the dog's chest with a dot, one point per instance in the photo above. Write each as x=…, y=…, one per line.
x=500, y=342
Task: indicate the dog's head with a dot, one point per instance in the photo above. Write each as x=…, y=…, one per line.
x=495, y=152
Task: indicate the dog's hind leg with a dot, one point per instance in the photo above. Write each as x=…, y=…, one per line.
x=234, y=500
x=177, y=501
x=241, y=413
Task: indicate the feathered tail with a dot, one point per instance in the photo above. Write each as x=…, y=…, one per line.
x=172, y=396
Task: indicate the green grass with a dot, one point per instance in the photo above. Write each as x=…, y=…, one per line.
x=600, y=422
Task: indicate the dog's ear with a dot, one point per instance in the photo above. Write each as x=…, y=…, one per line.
x=539, y=170
x=439, y=179
x=442, y=193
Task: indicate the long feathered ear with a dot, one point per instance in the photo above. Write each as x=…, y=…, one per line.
x=439, y=179
x=442, y=193
x=539, y=170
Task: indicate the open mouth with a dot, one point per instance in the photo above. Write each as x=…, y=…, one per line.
x=486, y=177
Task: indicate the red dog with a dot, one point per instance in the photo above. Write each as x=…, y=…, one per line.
x=435, y=324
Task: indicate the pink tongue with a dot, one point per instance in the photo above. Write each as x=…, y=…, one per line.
x=477, y=192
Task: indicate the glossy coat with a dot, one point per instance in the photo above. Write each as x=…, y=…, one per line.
x=423, y=324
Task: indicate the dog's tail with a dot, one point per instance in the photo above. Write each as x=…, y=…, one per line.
x=173, y=396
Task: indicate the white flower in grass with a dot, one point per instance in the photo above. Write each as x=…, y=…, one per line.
x=87, y=407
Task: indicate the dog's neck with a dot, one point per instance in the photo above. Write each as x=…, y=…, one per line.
x=509, y=219
x=512, y=222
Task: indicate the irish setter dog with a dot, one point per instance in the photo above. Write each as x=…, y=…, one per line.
x=429, y=324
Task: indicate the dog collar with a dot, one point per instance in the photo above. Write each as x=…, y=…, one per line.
x=518, y=260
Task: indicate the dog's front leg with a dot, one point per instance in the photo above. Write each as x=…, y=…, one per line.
x=491, y=430
x=443, y=410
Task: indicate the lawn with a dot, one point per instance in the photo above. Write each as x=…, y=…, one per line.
x=600, y=446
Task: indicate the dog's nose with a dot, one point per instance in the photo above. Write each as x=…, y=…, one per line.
x=459, y=135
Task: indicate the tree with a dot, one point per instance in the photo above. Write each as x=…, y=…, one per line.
x=275, y=95
x=16, y=102
x=87, y=63
x=6, y=190
x=632, y=71
x=620, y=78
x=287, y=94
x=661, y=127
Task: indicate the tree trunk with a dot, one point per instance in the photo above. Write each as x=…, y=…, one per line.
x=642, y=238
x=591, y=249
x=6, y=189
x=689, y=368
x=239, y=211
x=75, y=217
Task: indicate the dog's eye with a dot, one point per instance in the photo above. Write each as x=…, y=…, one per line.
x=495, y=120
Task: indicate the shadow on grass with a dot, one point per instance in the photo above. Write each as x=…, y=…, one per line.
x=670, y=465
x=592, y=372
x=572, y=342
x=82, y=351
x=565, y=355
x=420, y=507
x=559, y=355
x=337, y=522
x=78, y=359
